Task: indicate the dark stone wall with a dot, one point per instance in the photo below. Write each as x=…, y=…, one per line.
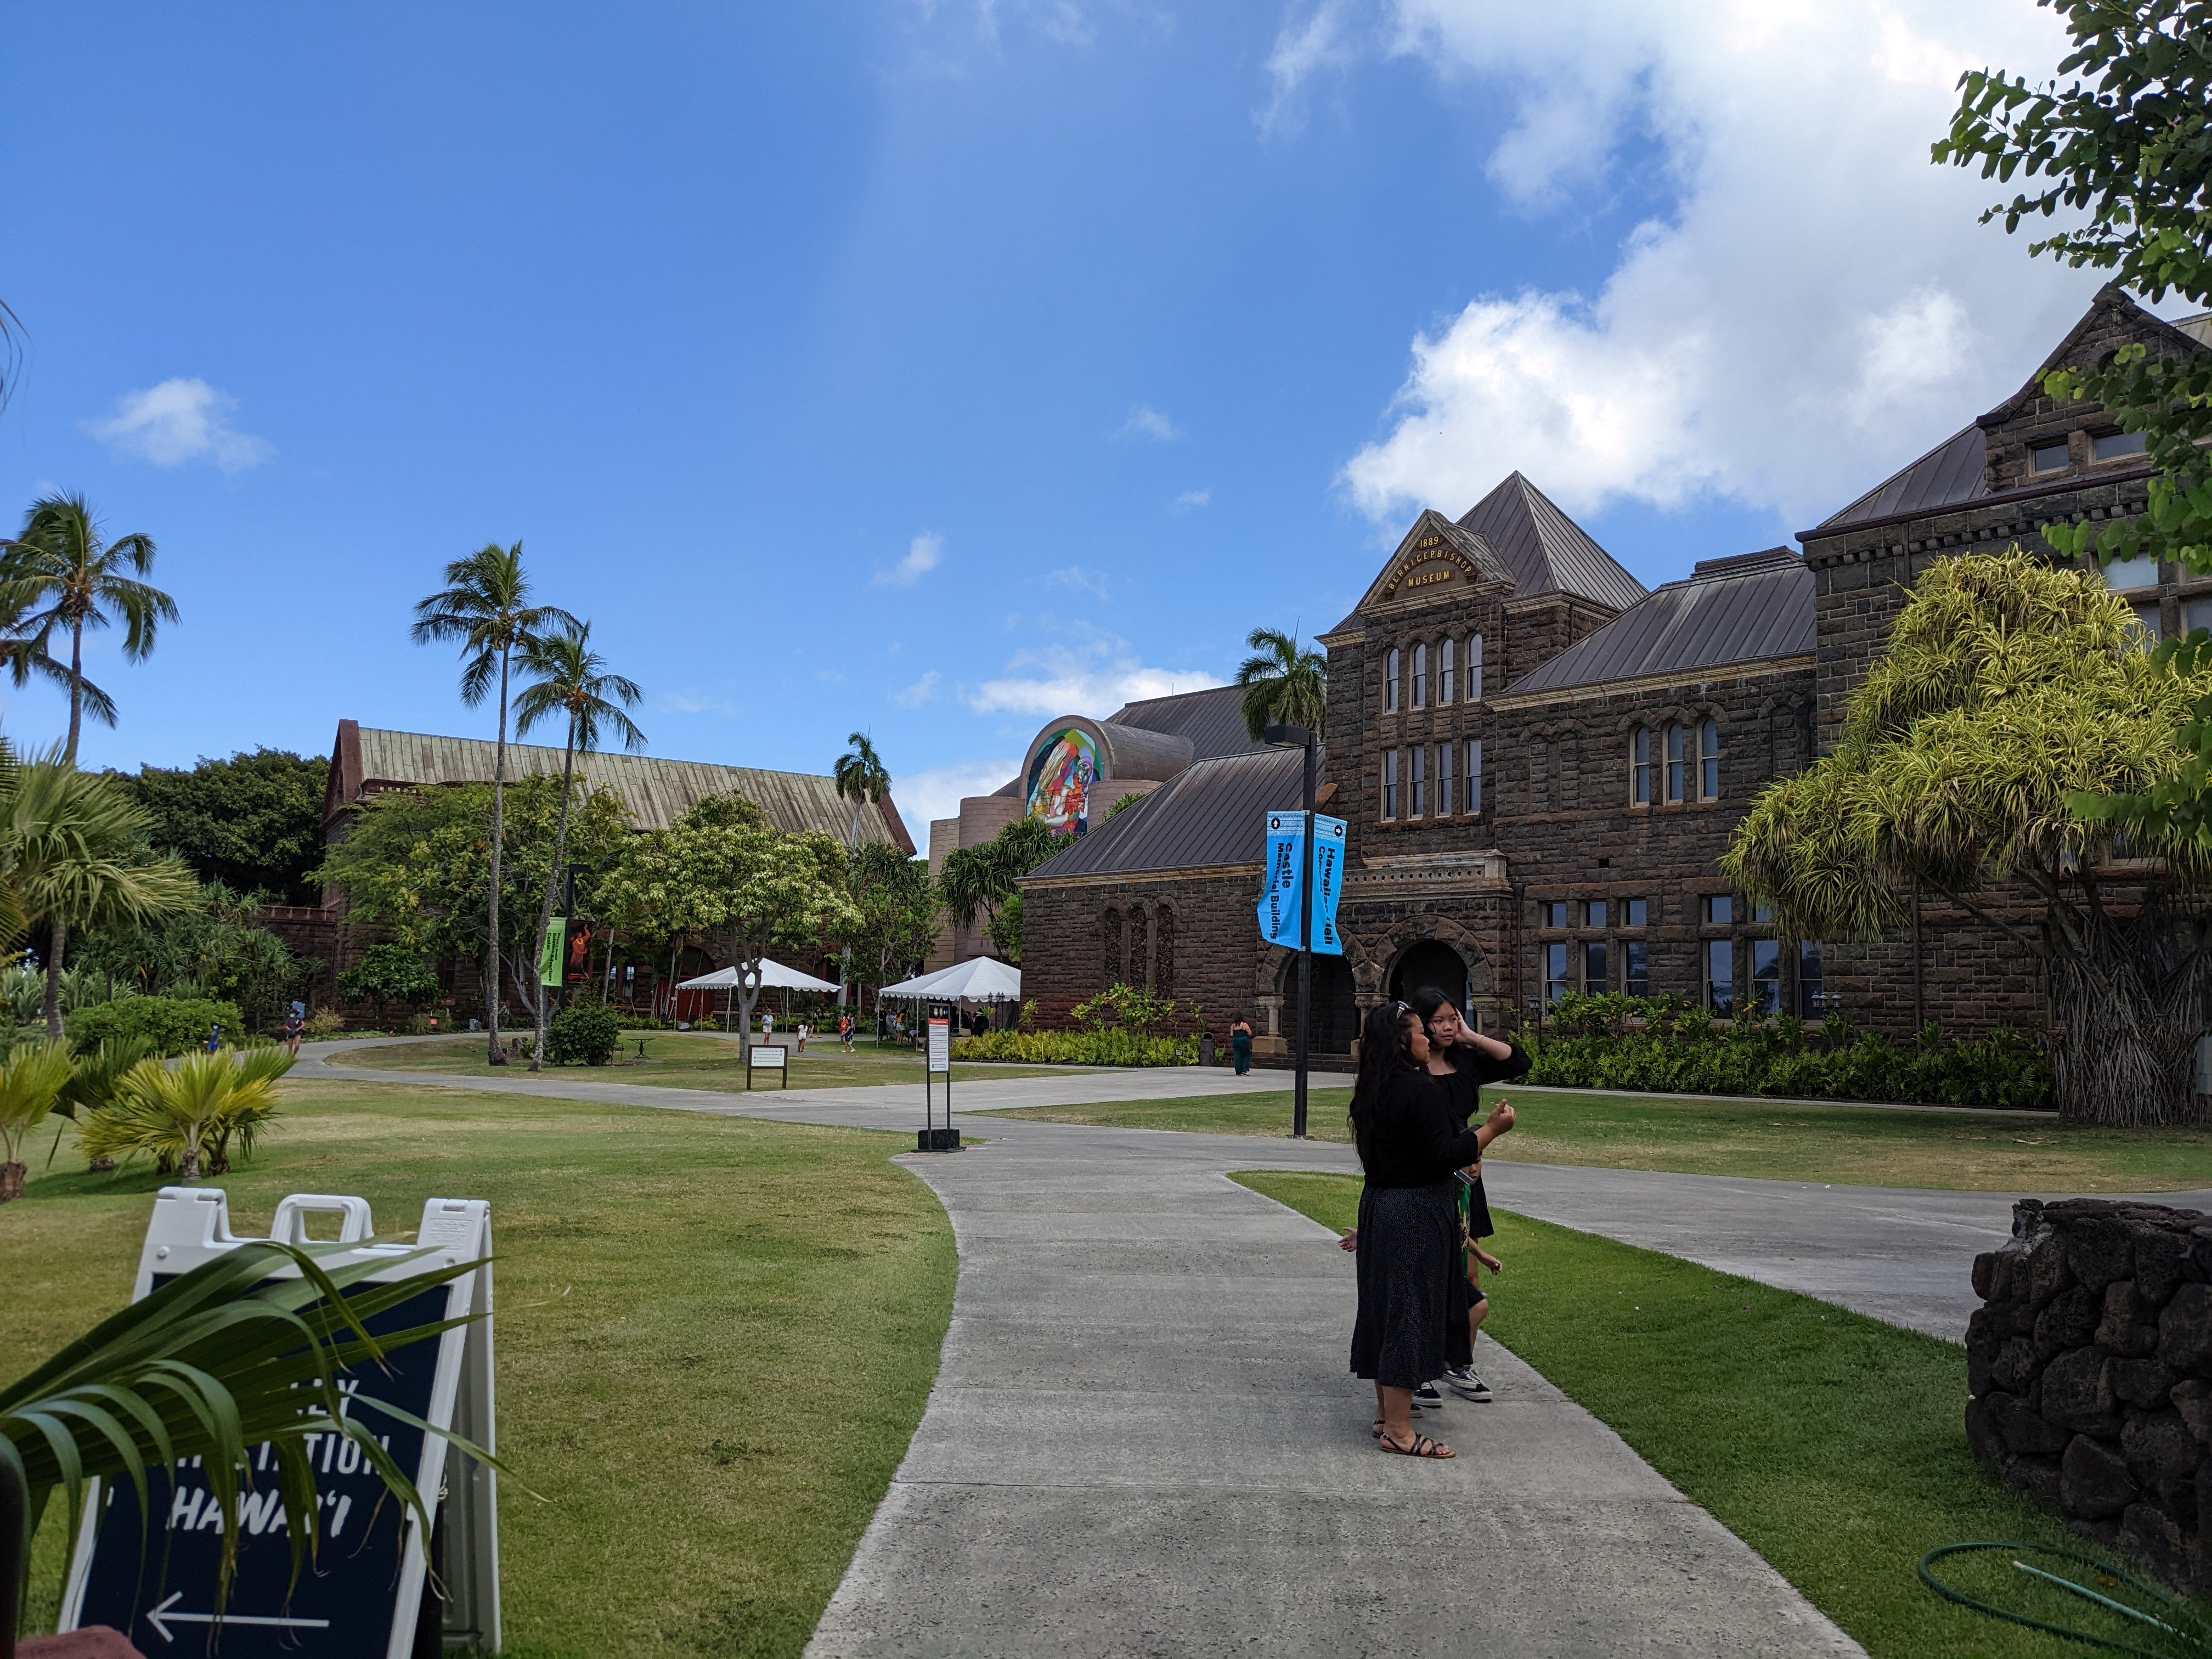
x=2089, y=1368
x=1194, y=940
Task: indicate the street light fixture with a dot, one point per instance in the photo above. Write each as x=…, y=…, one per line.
x=1297, y=736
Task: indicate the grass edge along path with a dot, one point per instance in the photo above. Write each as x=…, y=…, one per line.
x=715, y=1338
x=1831, y=1444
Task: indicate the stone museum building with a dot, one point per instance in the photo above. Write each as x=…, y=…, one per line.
x=1539, y=760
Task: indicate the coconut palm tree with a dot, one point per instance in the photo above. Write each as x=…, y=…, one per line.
x=572, y=683
x=61, y=575
x=862, y=780
x=73, y=853
x=32, y=1079
x=1283, y=685
x=485, y=606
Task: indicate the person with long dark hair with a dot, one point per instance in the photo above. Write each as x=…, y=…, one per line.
x=1406, y=1242
x=1465, y=1061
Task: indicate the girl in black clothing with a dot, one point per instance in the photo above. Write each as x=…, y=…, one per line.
x=1466, y=1061
x=1406, y=1241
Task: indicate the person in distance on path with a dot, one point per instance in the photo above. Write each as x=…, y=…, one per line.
x=1405, y=1241
x=1240, y=1045
x=1466, y=1061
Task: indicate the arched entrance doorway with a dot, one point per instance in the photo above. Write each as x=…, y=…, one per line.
x=1334, y=1010
x=1430, y=962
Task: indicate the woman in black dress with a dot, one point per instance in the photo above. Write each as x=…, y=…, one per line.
x=1407, y=1239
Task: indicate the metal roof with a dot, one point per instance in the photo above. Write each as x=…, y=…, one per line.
x=1547, y=551
x=655, y=791
x=1950, y=475
x=1209, y=816
x=1212, y=720
x=1745, y=609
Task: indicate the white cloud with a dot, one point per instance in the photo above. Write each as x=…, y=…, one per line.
x=1319, y=40
x=1093, y=678
x=922, y=557
x=1145, y=421
x=1816, y=305
x=1081, y=581
x=921, y=796
x=180, y=421
x=1190, y=500
x=919, y=693
x=692, y=702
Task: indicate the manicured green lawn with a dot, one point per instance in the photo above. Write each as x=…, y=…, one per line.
x=678, y=1059
x=1940, y=1147
x=716, y=1337
x=1831, y=1444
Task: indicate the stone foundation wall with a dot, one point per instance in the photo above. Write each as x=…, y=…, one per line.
x=2089, y=1365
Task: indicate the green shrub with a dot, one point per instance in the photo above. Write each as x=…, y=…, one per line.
x=1114, y=1048
x=389, y=972
x=1665, y=1046
x=173, y=1025
x=586, y=1034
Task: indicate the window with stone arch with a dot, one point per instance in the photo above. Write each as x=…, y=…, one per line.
x=1390, y=681
x=1639, y=766
x=1474, y=668
x=1420, y=677
x=1163, y=952
x=1447, y=682
x=1709, y=759
x=1677, y=763
x=1114, y=947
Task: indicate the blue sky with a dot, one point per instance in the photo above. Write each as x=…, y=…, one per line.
x=933, y=369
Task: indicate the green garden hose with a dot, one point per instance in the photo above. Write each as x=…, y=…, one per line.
x=2178, y=1631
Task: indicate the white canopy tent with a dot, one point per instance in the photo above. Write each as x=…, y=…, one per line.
x=774, y=976
x=979, y=979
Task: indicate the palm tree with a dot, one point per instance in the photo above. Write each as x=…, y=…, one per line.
x=60, y=574
x=1283, y=685
x=485, y=605
x=572, y=681
x=32, y=1078
x=73, y=853
x=188, y=1114
x=861, y=778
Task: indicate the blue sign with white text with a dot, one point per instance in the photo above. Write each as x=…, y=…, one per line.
x=1328, y=880
x=1281, y=890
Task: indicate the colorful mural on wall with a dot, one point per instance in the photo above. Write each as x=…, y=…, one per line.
x=1060, y=782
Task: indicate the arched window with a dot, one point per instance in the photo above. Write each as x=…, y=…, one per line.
x=1675, y=764
x=1390, y=681
x=1709, y=759
x=1113, y=950
x=1420, y=677
x=1474, y=668
x=1447, y=682
x=1639, y=766
x=1163, y=952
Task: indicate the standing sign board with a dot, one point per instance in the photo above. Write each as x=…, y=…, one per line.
x=363, y=1597
x=939, y=1063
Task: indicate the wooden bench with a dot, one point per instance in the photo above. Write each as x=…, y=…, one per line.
x=768, y=1057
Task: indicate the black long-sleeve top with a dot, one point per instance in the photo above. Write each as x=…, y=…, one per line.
x=1412, y=1141
x=1471, y=1069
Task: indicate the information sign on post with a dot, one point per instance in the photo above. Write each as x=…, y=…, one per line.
x=365, y=1598
x=937, y=1063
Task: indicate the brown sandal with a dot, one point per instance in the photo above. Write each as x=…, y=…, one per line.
x=1422, y=1447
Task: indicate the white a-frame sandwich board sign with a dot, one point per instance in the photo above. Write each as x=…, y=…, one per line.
x=363, y=1597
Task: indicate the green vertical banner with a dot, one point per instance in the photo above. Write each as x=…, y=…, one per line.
x=548, y=953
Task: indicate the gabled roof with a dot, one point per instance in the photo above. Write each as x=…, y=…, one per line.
x=1208, y=816
x=1746, y=608
x=1212, y=720
x=1547, y=551
x=1950, y=475
x=366, y=759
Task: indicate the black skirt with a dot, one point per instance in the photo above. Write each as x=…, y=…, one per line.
x=1408, y=1255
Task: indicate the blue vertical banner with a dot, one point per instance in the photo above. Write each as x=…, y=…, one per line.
x=1328, y=880
x=1279, y=888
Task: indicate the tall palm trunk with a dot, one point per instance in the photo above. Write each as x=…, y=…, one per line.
x=77, y=687
x=498, y=840
x=57, y=947
x=552, y=881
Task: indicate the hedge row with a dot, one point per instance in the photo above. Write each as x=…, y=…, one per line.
x=1112, y=1048
x=172, y=1025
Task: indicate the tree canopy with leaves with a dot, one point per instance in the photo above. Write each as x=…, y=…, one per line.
x=723, y=875
x=2007, y=687
x=253, y=821
x=1284, y=684
x=982, y=878
x=895, y=906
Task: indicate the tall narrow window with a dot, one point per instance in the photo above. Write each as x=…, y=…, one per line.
x=1634, y=912
x=1593, y=978
x=1811, y=1004
x=1636, y=968
x=1639, y=767
x=1720, y=976
x=1420, y=677
x=1474, y=668
x=1390, y=681
x=1709, y=759
x=1389, y=783
x=1447, y=685
x=1474, y=775
x=1675, y=764
x=1594, y=913
x=1555, y=973
x=1420, y=781
x=1766, y=977
x=1445, y=803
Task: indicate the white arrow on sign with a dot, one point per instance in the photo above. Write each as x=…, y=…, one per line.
x=161, y=1617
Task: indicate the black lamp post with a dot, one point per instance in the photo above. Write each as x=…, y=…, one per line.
x=1298, y=735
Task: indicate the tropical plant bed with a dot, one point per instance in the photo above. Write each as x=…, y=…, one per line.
x=673, y=1292
x=1937, y=1147
x=672, y=1060
x=1830, y=1442
x=1114, y=1048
